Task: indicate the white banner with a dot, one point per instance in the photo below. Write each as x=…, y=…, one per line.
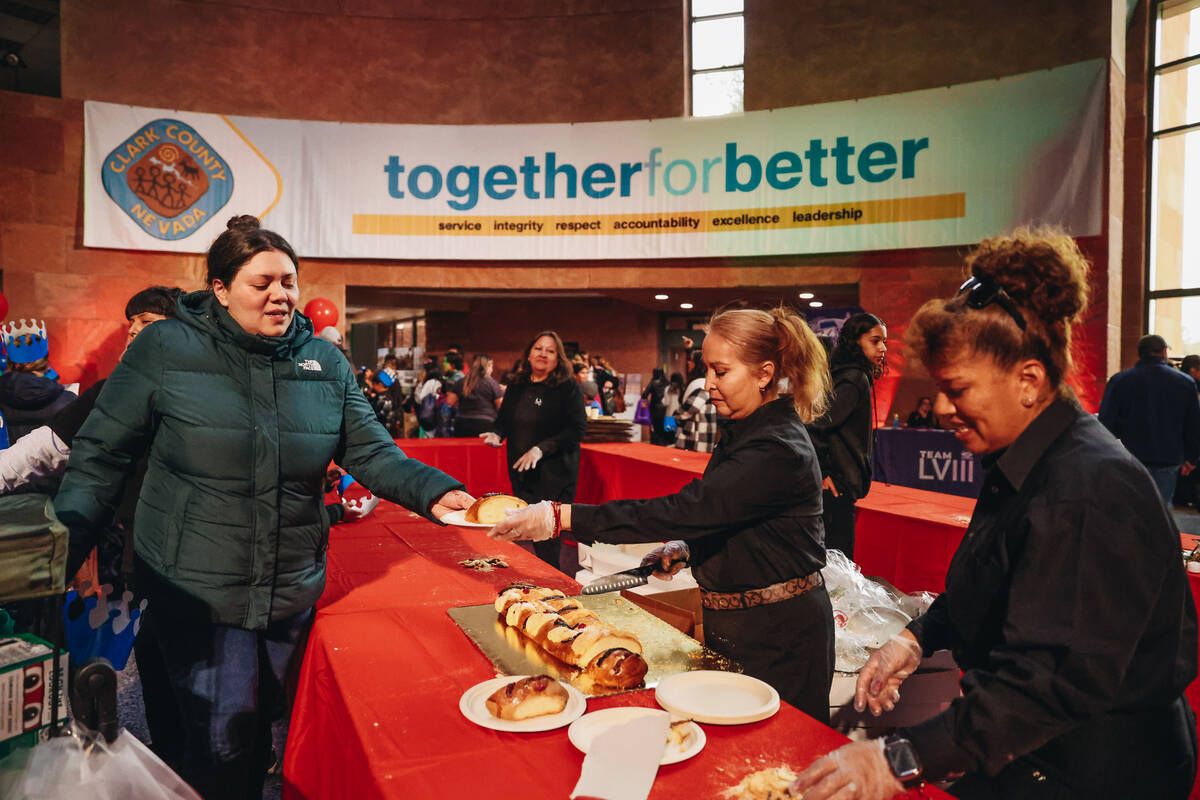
x=936, y=167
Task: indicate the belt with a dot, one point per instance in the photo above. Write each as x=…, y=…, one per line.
x=720, y=601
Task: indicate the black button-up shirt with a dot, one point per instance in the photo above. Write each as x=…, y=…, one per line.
x=1065, y=604
x=754, y=519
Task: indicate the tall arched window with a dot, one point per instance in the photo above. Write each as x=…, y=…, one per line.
x=1173, y=265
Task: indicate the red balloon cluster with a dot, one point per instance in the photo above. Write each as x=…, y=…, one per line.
x=322, y=312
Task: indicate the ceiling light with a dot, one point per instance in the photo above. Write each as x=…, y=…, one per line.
x=660, y=297
x=399, y=326
x=685, y=305
x=806, y=295
x=815, y=304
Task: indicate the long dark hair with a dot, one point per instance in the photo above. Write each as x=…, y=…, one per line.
x=561, y=372
x=478, y=373
x=849, y=351
x=242, y=240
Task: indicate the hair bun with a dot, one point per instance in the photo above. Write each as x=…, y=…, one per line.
x=1042, y=269
x=244, y=223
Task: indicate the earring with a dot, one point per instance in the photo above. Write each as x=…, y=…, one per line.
x=762, y=390
x=1027, y=401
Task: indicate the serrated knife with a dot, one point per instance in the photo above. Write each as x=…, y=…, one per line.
x=625, y=579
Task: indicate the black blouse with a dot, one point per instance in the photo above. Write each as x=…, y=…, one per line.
x=1066, y=604
x=754, y=519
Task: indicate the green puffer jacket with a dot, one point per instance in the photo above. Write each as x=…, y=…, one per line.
x=240, y=430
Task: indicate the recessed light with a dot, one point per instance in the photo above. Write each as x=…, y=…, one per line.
x=815, y=304
x=685, y=305
x=806, y=295
x=660, y=297
x=399, y=326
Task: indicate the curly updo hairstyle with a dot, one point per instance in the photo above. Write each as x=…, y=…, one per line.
x=243, y=239
x=1044, y=273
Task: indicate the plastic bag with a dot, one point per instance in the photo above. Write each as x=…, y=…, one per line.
x=76, y=766
x=865, y=613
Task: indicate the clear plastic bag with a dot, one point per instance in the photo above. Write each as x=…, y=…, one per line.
x=78, y=765
x=866, y=614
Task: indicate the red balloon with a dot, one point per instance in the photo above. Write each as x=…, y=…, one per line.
x=3, y=306
x=322, y=312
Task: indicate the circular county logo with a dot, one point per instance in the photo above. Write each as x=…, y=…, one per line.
x=167, y=178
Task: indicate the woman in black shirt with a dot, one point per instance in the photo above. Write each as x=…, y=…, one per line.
x=751, y=527
x=543, y=419
x=1066, y=604
x=923, y=416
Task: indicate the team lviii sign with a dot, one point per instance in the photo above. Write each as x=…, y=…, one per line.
x=167, y=178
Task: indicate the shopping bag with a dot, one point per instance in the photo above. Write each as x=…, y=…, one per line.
x=80, y=765
x=642, y=415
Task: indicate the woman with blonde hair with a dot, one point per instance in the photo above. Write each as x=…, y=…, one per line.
x=1066, y=605
x=751, y=527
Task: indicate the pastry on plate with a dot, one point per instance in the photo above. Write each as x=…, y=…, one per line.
x=536, y=696
x=492, y=508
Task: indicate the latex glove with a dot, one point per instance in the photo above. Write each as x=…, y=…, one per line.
x=670, y=558
x=491, y=439
x=879, y=681
x=827, y=483
x=532, y=524
x=530, y=460
x=357, y=509
x=857, y=770
x=450, y=501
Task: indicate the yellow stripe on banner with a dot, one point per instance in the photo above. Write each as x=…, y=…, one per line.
x=863, y=212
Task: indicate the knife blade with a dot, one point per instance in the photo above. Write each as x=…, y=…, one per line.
x=625, y=579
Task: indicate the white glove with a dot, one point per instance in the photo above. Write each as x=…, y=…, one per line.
x=530, y=460
x=491, y=439
x=670, y=558
x=358, y=509
x=532, y=524
x=879, y=681
x=858, y=770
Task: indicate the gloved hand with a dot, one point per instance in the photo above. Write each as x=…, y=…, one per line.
x=491, y=439
x=857, y=770
x=530, y=460
x=879, y=681
x=670, y=558
x=357, y=509
x=532, y=524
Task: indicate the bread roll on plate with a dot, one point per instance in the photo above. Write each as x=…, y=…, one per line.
x=491, y=508
x=535, y=696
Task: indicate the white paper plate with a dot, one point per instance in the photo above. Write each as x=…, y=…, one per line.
x=586, y=728
x=718, y=698
x=473, y=705
x=459, y=518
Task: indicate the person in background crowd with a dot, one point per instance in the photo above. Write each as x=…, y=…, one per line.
x=390, y=367
x=654, y=395
x=426, y=398
x=454, y=367
x=230, y=527
x=583, y=377
x=1066, y=606
x=1153, y=409
x=697, y=417
x=479, y=399
x=844, y=435
x=447, y=410
x=751, y=526
x=611, y=401
x=1187, y=490
x=30, y=395
x=380, y=399
x=1190, y=366
x=507, y=379
x=673, y=396
x=923, y=416
x=543, y=420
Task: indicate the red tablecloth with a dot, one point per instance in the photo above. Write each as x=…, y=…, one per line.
x=376, y=712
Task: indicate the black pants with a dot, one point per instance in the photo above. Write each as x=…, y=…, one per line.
x=1150, y=754
x=839, y=522
x=788, y=644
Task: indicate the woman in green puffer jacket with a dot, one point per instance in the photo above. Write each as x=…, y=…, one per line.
x=240, y=409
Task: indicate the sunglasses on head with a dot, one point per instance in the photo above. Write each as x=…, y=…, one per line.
x=982, y=293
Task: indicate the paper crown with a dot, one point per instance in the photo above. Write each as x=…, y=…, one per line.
x=25, y=341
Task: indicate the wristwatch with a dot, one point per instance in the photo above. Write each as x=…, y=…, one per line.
x=902, y=759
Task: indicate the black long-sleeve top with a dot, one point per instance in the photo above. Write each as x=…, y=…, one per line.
x=1065, y=603
x=844, y=434
x=552, y=418
x=752, y=520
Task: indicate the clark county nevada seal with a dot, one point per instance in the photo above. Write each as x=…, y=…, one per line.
x=167, y=178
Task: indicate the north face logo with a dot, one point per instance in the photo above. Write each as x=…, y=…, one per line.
x=312, y=365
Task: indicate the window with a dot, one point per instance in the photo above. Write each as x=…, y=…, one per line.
x=718, y=57
x=1173, y=264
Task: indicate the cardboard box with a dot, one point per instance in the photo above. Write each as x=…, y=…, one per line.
x=924, y=694
x=27, y=701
